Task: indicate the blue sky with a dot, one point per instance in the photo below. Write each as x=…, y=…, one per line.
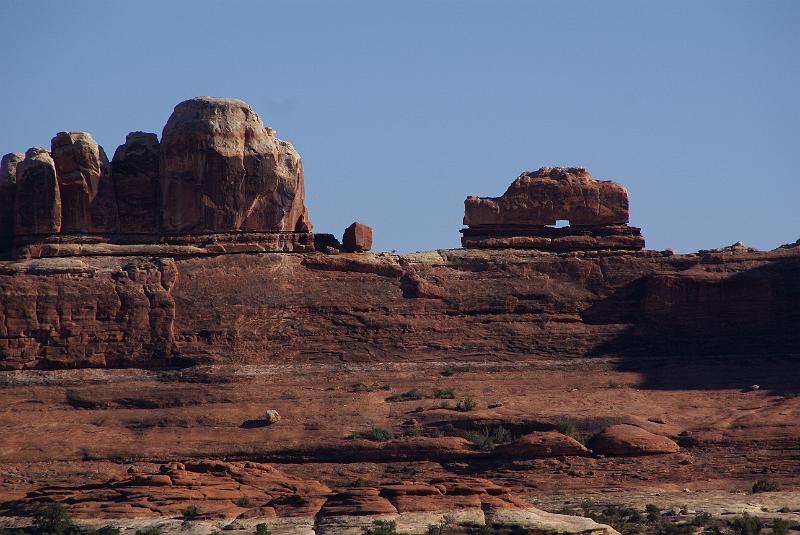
x=402, y=109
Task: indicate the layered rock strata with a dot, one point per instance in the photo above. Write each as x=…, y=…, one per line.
x=239, y=495
x=218, y=171
x=597, y=213
x=151, y=311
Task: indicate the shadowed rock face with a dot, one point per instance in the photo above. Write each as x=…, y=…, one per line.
x=84, y=179
x=223, y=170
x=552, y=193
x=8, y=189
x=136, y=182
x=38, y=202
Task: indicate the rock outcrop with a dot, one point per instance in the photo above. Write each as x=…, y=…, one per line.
x=223, y=170
x=357, y=238
x=220, y=181
x=37, y=207
x=626, y=439
x=8, y=190
x=239, y=495
x=88, y=201
x=596, y=210
x=507, y=304
x=542, y=444
x=136, y=181
x=550, y=194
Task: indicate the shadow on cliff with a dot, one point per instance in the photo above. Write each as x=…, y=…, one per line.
x=708, y=330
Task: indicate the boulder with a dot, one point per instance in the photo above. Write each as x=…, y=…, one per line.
x=8, y=188
x=550, y=194
x=136, y=181
x=626, y=439
x=37, y=205
x=541, y=444
x=84, y=179
x=272, y=416
x=357, y=238
x=222, y=170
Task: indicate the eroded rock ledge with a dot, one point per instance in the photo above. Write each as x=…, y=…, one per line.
x=523, y=217
x=217, y=172
x=236, y=496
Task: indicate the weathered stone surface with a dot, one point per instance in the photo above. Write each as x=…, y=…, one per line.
x=510, y=304
x=550, y=194
x=88, y=201
x=37, y=206
x=8, y=190
x=135, y=168
x=612, y=237
x=223, y=170
x=541, y=444
x=357, y=238
x=625, y=439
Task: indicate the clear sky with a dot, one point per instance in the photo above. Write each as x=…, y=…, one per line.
x=402, y=109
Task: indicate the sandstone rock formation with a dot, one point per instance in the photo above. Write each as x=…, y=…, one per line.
x=357, y=238
x=552, y=193
x=84, y=179
x=597, y=213
x=37, y=207
x=625, y=439
x=238, y=495
x=223, y=170
x=8, y=190
x=219, y=182
x=542, y=444
x=136, y=181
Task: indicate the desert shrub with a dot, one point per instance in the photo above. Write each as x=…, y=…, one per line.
x=444, y=393
x=746, y=525
x=652, y=510
x=447, y=371
x=780, y=526
x=419, y=409
x=52, y=520
x=765, y=485
x=381, y=527
x=377, y=434
x=358, y=388
x=359, y=482
x=191, y=512
x=466, y=405
x=262, y=529
x=701, y=519
x=615, y=384
x=411, y=395
x=245, y=502
x=444, y=405
x=152, y=530
x=411, y=432
x=487, y=439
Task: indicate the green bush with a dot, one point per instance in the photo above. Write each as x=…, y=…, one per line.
x=191, y=512
x=245, y=502
x=262, y=529
x=444, y=393
x=411, y=395
x=381, y=527
x=765, y=485
x=377, y=434
x=487, y=439
x=149, y=531
x=447, y=371
x=52, y=520
x=780, y=527
x=746, y=525
x=466, y=405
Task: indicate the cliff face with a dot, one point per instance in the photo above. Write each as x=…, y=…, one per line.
x=470, y=304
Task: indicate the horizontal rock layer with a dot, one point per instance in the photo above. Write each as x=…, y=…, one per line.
x=250, y=308
x=614, y=237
